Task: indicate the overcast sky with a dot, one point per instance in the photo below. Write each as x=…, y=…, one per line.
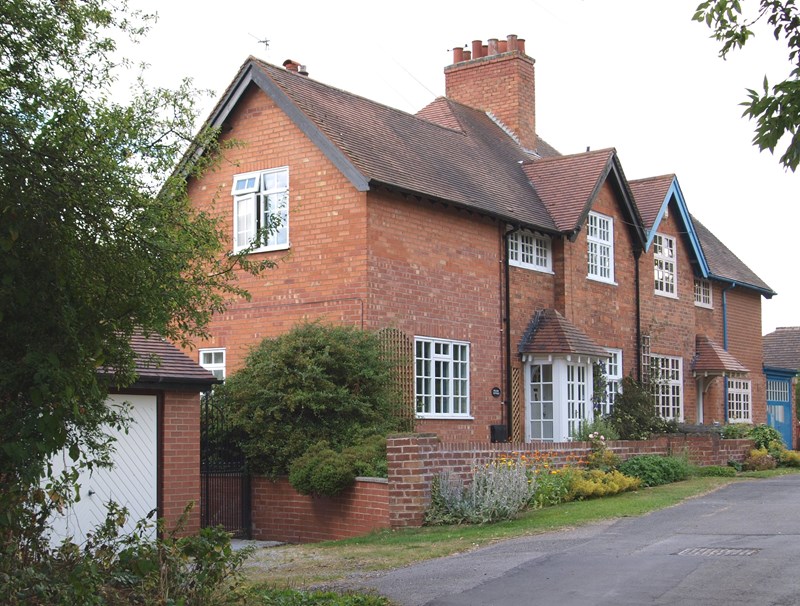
x=637, y=75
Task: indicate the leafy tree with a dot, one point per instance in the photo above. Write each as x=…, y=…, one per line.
x=315, y=383
x=97, y=237
x=776, y=110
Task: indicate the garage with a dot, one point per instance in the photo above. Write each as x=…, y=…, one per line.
x=157, y=461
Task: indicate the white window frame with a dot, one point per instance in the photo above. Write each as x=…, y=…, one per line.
x=530, y=250
x=613, y=373
x=703, y=293
x=777, y=390
x=665, y=268
x=740, y=407
x=667, y=381
x=257, y=197
x=600, y=247
x=441, y=378
x=213, y=360
x=570, y=391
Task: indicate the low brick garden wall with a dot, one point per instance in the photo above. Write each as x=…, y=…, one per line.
x=281, y=514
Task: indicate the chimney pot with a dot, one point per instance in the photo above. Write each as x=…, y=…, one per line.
x=521, y=45
x=291, y=66
x=302, y=70
x=485, y=50
x=492, y=46
x=502, y=46
x=467, y=55
x=458, y=54
x=476, y=48
x=511, y=41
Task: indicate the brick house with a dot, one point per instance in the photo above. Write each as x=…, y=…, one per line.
x=781, y=366
x=504, y=269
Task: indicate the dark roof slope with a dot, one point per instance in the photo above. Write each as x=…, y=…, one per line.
x=159, y=363
x=550, y=332
x=476, y=166
x=724, y=265
x=782, y=348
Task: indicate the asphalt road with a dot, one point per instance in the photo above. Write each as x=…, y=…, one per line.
x=739, y=545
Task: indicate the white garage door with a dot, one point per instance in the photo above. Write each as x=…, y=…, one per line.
x=131, y=482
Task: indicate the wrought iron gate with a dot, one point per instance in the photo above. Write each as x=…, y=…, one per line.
x=225, y=481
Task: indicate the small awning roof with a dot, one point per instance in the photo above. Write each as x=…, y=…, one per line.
x=711, y=359
x=551, y=333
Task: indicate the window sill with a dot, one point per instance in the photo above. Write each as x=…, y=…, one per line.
x=264, y=249
x=703, y=305
x=667, y=295
x=541, y=270
x=602, y=280
x=434, y=417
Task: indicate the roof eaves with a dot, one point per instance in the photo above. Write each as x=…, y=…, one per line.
x=767, y=292
x=674, y=193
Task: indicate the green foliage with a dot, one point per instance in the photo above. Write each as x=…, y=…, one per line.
x=736, y=431
x=315, y=383
x=634, y=415
x=776, y=110
x=759, y=459
x=790, y=458
x=292, y=597
x=719, y=471
x=763, y=434
x=97, y=236
x=114, y=570
x=600, y=457
x=598, y=483
x=600, y=425
x=498, y=490
x=654, y=470
x=324, y=471
x=552, y=487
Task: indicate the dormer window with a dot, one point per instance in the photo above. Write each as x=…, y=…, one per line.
x=530, y=250
x=261, y=210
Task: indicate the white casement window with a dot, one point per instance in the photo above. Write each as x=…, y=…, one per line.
x=261, y=210
x=213, y=360
x=664, y=270
x=702, y=293
x=441, y=378
x=739, y=401
x=600, y=247
x=558, y=397
x=613, y=372
x=666, y=376
x=530, y=250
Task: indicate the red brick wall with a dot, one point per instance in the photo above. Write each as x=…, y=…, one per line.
x=279, y=513
x=415, y=460
x=436, y=272
x=179, y=477
x=501, y=84
x=323, y=274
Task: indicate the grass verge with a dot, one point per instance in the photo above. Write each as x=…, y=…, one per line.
x=299, y=566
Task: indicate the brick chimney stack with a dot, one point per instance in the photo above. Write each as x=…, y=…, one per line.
x=497, y=77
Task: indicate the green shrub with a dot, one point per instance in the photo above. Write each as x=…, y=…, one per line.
x=634, y=415
x=499, y=490
x=759, y=460
x=654, y=470
x=552, y=487
x=762, y=435
x=600, y=457
x=130, y=570
x=790, y=458
x=736, y=431
x=315, y=383
x=324, y=471
x=601, y=426
x=597, y=483
x=714, y=470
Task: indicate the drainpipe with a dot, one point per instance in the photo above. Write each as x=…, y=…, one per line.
x=725, y=337
x=636, y=256
x=507, y=328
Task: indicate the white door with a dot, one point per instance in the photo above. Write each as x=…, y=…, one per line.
x=131, y=482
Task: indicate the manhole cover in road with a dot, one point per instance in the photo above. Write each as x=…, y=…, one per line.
x=719, y=551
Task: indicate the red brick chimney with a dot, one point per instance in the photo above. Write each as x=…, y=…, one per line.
x=497, y=77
